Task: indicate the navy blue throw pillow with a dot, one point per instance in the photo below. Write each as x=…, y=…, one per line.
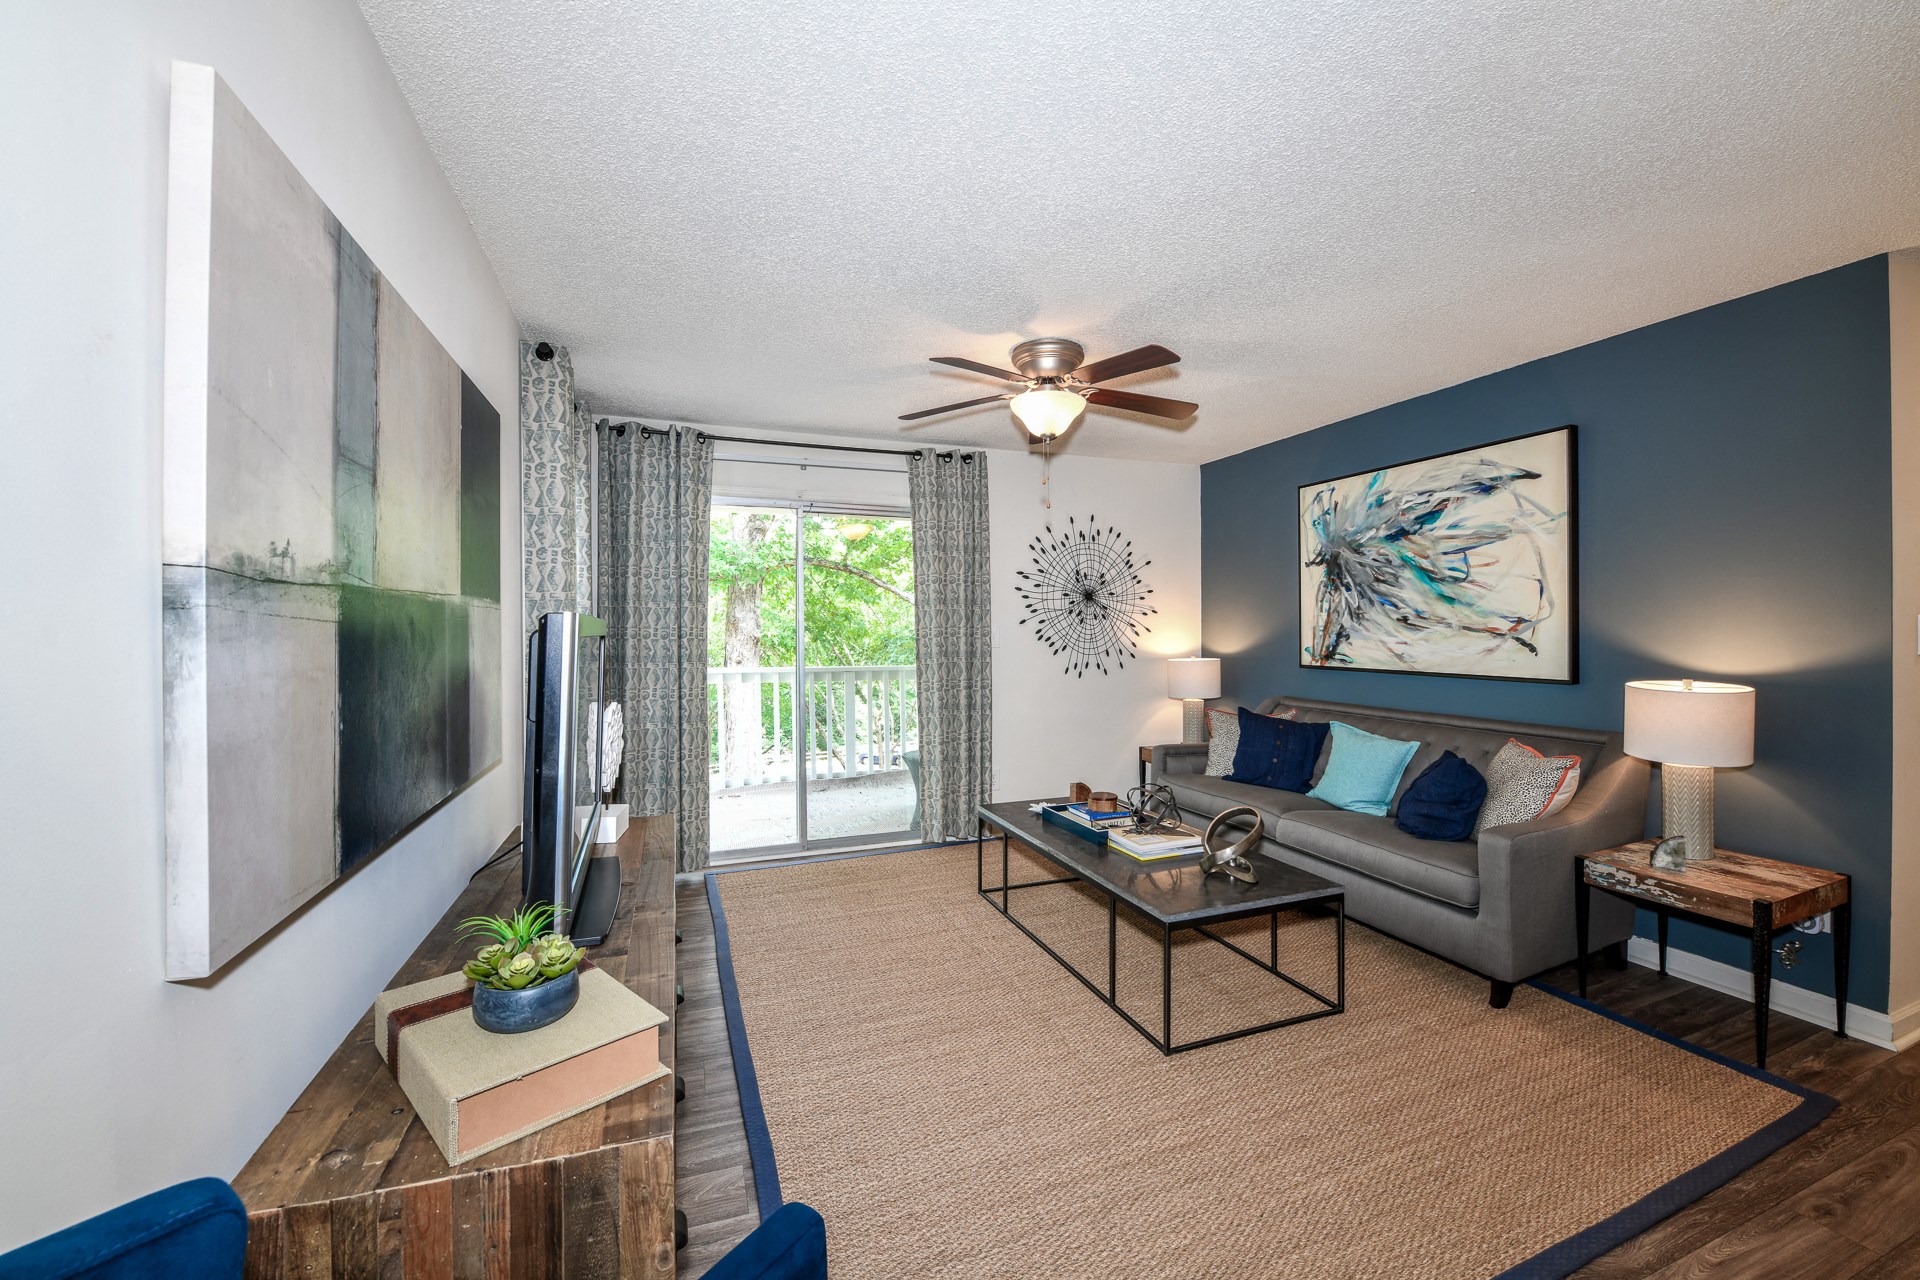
x=1444, y=801
x=1277, y=753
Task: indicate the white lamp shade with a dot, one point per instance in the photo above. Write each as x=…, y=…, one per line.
x=1047, y=412
x=1694, y=722
x=1193, y=677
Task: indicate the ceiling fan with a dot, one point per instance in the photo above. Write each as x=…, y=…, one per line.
x=1059, y=387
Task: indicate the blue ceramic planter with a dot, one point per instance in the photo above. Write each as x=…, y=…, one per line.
x=527, y=1009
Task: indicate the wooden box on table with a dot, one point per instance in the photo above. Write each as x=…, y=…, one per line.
x=475, y=1090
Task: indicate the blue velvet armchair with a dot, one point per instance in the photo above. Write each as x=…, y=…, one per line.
x=790, y=1245
x=196, y=1229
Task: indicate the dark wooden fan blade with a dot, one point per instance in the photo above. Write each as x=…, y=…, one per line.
x=1142, y=404
x=964, y=404
x=1139, y=359
x=960, y=362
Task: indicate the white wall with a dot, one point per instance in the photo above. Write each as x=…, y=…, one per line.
x=1050, y=729
x=114, y=1081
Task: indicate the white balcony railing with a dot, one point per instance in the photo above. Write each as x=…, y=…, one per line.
x=852, y=721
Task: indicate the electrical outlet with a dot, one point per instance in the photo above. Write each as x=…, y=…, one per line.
x=1822, y=923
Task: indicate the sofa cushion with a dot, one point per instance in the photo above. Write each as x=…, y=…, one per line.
x=1276, y=753
x=1444, y=870
x=1363, y=769
x=1444, y=801
x=1523, y=785
x=1475, y=741
x=1201, y=797
x=1223, y=738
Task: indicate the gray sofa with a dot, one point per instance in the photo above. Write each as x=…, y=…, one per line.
x=1501, y=905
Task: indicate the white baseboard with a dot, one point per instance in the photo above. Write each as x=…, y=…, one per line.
x=1895, y=1031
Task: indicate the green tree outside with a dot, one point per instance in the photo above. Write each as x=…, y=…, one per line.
x=859, y=598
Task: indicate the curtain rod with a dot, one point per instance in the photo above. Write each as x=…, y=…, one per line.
x=805, y=464
x=795, y=444
x=620, y=428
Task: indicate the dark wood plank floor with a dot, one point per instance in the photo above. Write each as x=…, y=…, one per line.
x=1843, y=1201
x=712, y=1174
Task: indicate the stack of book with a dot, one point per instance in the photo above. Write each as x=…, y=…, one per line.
x=1161, y=844
x=1102, y=818
x=1089, y=824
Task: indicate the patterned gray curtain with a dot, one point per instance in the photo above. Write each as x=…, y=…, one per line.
x=555, y=436
x=655, y=488
x=952, y=617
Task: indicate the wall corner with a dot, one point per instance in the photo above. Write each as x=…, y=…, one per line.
x=1903, y=317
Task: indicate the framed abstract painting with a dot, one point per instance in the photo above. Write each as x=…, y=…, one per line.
x=331, y=623
x=1461, y=564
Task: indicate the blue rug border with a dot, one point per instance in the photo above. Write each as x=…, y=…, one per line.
x=766, y=1174
x=766, y=1171
x=1576, y=1251
x=1556, y=1262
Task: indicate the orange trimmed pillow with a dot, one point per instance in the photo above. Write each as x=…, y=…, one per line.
x=1523, y=785
x=1223, y=738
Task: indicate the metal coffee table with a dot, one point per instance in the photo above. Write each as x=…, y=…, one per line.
x=1173, y=901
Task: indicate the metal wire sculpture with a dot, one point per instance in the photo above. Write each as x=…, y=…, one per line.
x=1154, y=809
x=1085, y=598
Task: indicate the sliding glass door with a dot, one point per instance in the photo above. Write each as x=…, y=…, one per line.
x=752, y=646
x=811, y=692
x=860, y=722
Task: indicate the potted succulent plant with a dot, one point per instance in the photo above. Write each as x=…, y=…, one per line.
x=525, y=977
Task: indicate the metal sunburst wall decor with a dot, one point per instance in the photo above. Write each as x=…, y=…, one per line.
x=1084, y=596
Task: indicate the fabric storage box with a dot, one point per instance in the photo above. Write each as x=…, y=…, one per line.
x=476, y=1090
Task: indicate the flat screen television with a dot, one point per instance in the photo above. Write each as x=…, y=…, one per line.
x=566, y=672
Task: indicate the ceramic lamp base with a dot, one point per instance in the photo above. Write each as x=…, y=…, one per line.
x=1686, y=807
x=1193, y=719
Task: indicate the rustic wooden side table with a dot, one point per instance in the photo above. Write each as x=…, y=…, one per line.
x=350, y=1184
x=1762, y=895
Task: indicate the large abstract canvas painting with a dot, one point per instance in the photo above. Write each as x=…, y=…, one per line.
x=1460, y=565
x=331, y=583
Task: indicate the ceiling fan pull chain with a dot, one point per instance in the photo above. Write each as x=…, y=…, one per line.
x=1046, y=472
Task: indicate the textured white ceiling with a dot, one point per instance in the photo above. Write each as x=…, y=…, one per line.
x=771, y=214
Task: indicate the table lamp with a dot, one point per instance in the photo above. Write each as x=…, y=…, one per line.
x=1690, y=728
x=1193, y=681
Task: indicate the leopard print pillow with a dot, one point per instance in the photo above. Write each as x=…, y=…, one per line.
x=1523, y=785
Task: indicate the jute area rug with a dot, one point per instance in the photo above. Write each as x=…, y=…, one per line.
x=955, y=1104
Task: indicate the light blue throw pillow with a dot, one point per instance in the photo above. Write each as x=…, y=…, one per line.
x=1362, y=770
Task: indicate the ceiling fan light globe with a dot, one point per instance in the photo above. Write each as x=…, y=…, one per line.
x=1046, y=412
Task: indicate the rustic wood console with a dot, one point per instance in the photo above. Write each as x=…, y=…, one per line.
x=350, y=1185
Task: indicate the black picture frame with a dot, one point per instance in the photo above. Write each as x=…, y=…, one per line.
x=1571, y=610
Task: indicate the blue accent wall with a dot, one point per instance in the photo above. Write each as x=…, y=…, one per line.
x=1735, y=523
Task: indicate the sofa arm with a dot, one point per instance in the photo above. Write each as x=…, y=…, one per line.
x=1179, y=757
x=197, y=1228
x=1610, y=809
x=1526, y=869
